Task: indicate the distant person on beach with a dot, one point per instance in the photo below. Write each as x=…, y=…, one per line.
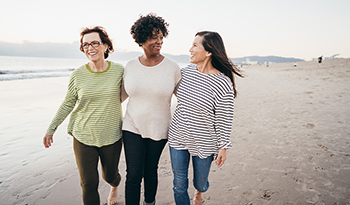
x=149, y=81
x=94, y=91
x=320, y=59
x=201, y=126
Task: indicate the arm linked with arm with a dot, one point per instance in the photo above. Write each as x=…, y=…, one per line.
x=123, y=94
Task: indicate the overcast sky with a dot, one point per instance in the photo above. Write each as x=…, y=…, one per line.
x=301, y=28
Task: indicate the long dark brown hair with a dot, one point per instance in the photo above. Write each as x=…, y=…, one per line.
x=213, y=43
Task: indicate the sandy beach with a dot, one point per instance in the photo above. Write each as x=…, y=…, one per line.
x=291, y=142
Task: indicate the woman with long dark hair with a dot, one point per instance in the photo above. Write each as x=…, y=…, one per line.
x=202, y=122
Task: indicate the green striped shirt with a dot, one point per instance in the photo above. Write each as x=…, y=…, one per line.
x=95, y=97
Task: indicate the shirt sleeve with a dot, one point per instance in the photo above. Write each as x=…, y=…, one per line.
x=65, y=108
x=223, y=120
x=123, y=94
x=178, y=77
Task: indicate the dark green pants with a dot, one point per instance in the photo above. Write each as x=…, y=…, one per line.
x=87, y=158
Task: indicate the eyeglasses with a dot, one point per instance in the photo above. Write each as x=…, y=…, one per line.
x=94, y=44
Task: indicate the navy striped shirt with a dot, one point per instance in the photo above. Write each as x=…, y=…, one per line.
x=202, y=121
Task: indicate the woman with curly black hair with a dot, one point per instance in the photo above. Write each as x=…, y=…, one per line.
x=149, y=81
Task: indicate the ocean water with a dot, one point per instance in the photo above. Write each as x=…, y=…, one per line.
x=17, y=68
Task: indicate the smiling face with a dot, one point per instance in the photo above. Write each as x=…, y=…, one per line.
x=197, y=51
x=153, y=45
x=94, y=54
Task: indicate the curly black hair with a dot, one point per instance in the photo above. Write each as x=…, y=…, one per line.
x=144, y=26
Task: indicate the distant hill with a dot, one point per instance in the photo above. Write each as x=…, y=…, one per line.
x=66, y=50
x=263, y=59
x=46, y=50
x=186, y=58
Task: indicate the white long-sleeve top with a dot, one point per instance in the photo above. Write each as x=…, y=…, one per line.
x=202, y=121
x=150, y=90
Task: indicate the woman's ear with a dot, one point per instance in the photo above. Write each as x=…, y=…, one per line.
x=208, y=54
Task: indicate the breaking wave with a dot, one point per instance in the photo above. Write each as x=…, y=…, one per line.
x=8, y=75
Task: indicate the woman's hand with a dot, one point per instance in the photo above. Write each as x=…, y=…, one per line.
x=221, y=157
x=48, y=139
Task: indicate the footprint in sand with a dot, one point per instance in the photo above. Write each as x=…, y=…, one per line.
x=319, y=168
x=309, y=125
x=267, y=194
x=322, y=147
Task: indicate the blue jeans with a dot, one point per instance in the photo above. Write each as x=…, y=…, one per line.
x=142, y=157
x=180, y=160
